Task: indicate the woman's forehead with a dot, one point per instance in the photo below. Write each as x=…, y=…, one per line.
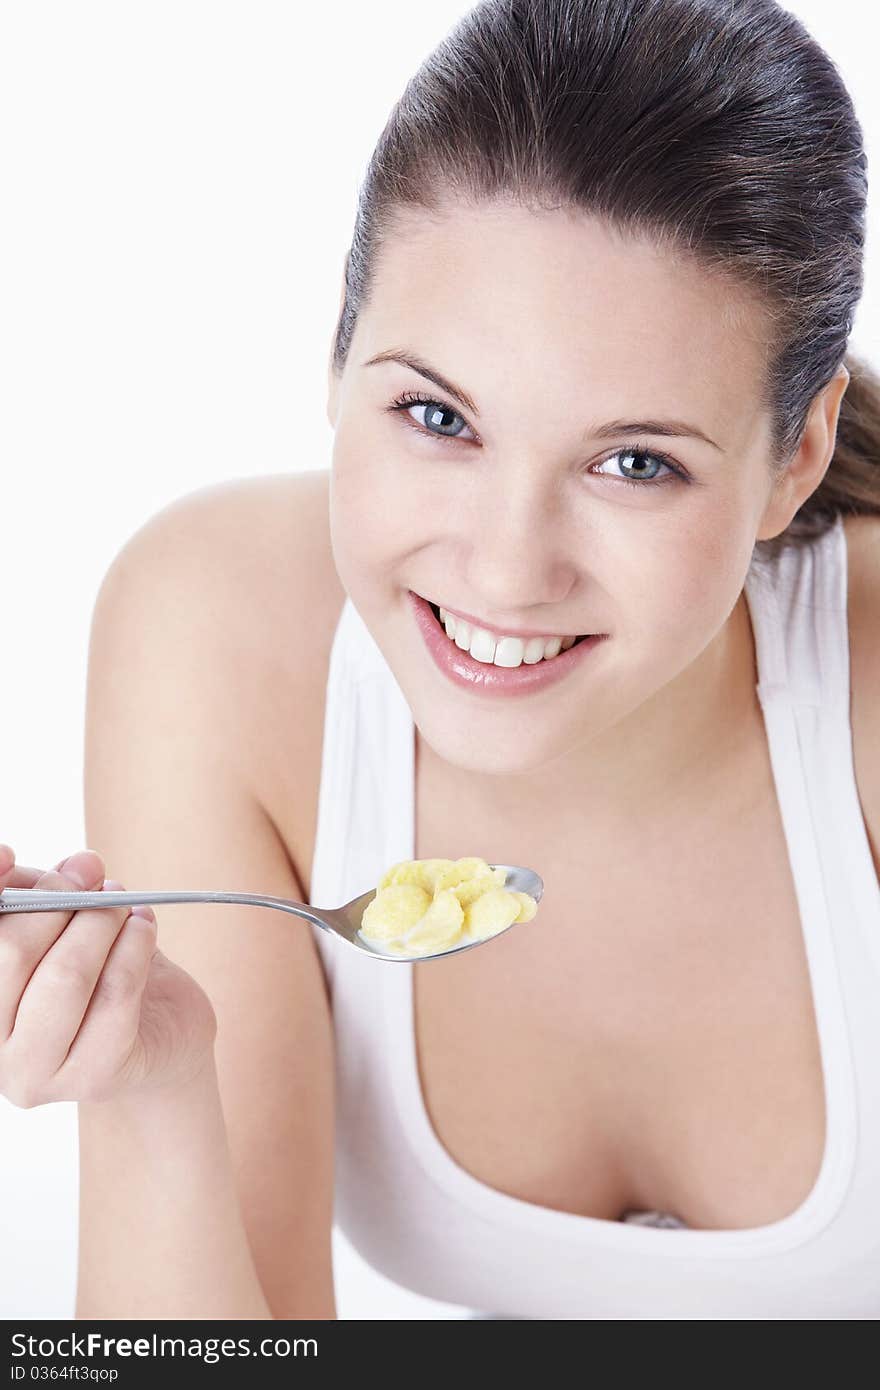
x=555, y=262
x=554, y=303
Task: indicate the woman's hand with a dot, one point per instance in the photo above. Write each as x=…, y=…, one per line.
x=90, y=1008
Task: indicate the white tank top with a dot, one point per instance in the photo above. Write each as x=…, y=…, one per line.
x=420, y=1218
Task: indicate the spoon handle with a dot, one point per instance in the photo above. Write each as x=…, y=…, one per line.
x=43, y=900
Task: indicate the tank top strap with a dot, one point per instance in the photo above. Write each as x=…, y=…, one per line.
x=798, y=604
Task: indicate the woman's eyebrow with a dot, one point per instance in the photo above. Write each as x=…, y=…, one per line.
x=674, y=429
x=418, y=364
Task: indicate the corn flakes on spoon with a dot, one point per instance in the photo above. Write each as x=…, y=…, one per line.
x=422, y=908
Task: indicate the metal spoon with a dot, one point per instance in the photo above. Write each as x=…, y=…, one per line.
x=343, y=922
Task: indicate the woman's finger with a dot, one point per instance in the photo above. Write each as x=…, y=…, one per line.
x=52, y=1007
x=21, y=876
x=25, y=937
x=25, y=875
x=14, y=875
x=110, y=1025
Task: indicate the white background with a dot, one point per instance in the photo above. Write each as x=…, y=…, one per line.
x=179, y=182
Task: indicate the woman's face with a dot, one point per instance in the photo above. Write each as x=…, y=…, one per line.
x=515, y=510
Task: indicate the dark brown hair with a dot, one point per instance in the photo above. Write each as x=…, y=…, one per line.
x=718, y=127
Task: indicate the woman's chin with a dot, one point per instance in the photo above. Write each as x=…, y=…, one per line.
x=482, y=748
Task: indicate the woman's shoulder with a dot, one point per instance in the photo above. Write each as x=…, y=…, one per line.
x=289, y=600
x=259, y=553
x=269, y=536
x=264, y=606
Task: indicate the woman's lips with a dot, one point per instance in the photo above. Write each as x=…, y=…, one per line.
x=487, y=679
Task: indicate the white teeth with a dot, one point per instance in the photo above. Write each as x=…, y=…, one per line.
x=503, y=651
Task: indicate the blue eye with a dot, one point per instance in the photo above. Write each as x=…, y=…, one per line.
x=634, y=451
x=418, y=398
x=641, y=451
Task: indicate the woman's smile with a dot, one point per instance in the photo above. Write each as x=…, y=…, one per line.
x=504, y=670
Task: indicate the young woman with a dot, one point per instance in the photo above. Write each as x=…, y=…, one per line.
x=589, y=379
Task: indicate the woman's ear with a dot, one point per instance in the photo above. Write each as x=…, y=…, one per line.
x=810, y=461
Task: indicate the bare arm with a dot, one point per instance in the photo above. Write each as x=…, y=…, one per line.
x=216, y=1203
x=170, y=1241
